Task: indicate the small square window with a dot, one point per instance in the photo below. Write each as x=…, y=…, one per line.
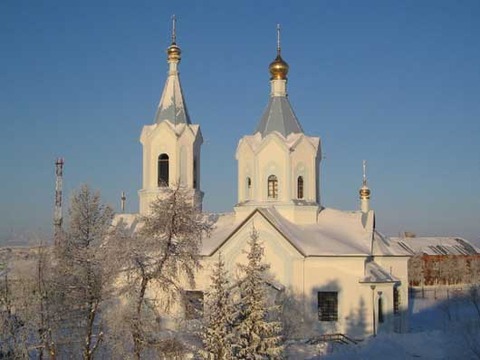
x=327, y=305
x=193, y=305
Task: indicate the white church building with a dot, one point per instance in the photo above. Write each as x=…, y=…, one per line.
x=353, y=280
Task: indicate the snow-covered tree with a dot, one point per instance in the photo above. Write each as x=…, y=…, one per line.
x=257, y=332
x=29, y=306
x=219, y=314
x=164, y=251
x=416, y=271
x=80, y=271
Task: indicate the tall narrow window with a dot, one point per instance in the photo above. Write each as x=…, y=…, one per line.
x=380, y=310
x=327, y=305
x=396, y=300
x=300, y=187
x=272, y=187
x=195, y=173
x=163, y=170
x=249, y=188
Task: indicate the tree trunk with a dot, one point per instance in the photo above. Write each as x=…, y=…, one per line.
x=92, y=312
x=136, y=325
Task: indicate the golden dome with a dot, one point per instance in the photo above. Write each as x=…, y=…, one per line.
x=174, y=52
x=278, y=68
x=364, y=192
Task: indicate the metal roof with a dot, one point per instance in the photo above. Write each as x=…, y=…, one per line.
x=172, y=104
x=437, y=245
x=279, y=116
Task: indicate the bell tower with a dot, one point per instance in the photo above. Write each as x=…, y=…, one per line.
x=171, y=145
x=278, y=166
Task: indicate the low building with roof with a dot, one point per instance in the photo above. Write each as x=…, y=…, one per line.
x=440, y=260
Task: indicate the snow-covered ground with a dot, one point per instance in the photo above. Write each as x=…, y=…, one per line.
x=442, y=328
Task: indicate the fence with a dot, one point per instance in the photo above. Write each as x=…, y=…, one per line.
x=439, y=292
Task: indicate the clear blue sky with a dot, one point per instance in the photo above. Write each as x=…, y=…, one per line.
x=394, y=82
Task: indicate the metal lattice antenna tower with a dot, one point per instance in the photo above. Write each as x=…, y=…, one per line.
x=57, y=215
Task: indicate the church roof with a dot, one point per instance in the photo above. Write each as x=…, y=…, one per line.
x=386, y=246
x=172, y=104
x=279, y=116
x=336, y=232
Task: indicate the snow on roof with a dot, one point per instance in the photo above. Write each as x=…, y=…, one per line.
x=386, y=246
x=437, y=245
x=223, y=226
x=172, y=104
x=291, y=141
x=279, y=116
x=130, y=221
x=374, y=273
x=336, y=232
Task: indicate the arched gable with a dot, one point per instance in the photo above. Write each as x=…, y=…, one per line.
x=284, y=258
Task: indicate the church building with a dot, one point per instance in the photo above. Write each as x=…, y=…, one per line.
x=352, y=279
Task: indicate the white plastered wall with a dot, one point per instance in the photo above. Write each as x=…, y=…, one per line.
x=398, y=267
x=287, y=159
x=182, y=145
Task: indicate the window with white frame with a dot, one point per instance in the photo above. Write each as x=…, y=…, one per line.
x=300, y=187
x=327, y=305
x=272, y=187
x=163, y=169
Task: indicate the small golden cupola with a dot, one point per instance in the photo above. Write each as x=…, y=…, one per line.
x=278, y=68
x=364, y=191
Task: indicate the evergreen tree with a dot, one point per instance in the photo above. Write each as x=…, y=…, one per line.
x=80, y=270
x=257, y=335
x=217, y=333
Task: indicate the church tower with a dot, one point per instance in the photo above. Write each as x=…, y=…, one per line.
x=171, y=145
x=278, y=166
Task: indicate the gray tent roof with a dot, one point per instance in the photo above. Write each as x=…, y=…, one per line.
x=172, y=104
x=279, y=116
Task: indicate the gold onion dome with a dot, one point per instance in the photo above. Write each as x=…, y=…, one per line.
x=364, y=192
x=174, y=52
x=278, y=68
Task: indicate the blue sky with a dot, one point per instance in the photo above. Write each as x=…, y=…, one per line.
x=394, y=82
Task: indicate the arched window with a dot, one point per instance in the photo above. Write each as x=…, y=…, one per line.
x=300, y=187
x=249, y=188
x=272, y=187
x=380, y=310
x=163, y=170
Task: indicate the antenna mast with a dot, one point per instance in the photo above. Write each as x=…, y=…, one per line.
x=57, y=215
x=123, y=198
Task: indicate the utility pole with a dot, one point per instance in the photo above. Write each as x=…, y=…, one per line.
x=57, y=215
x=123, y=198
x=373, y=310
